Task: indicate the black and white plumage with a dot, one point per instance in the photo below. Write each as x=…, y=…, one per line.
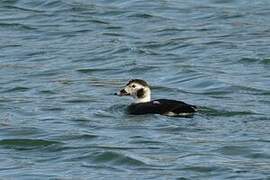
x=140, y=91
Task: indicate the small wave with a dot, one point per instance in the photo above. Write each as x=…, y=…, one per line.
x=214, y=112
x=18, y=8
x=21, y=131
x=250, y=90
x=114, y=27
x=201, y=169
x=24, y=144
x=10, y=46
x=53, y=5
x=146, y=142
x=5, y=100
x=16, y=26
x=92, y=70
x=142, y=69
x=170, y=29
x=52, y=108
x=141, y=15
x=113, y=34
x=265, y=61
x=48, y=92
x=258, y=155
x=119, y=159
x=77, y=136
x=112, y=111
x=247, y=60
x=234, y=150
x=17, y=89
x=80, y=100
x=166, y=45
x=99, y=21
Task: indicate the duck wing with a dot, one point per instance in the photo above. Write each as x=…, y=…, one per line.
x=162, y=106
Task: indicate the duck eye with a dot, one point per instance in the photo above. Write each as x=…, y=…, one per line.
x=133, y=86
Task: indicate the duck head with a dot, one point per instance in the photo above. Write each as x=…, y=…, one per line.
x=138, y=89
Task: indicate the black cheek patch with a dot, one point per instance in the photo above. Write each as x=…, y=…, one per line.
x=140, y=93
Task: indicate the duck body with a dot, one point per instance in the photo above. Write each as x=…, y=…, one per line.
x=162, y=106
x=140, y=91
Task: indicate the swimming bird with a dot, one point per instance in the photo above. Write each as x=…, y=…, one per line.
x=140, y=91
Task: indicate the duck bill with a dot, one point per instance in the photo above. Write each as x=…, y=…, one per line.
x=122, y=92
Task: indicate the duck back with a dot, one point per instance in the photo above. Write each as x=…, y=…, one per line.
x=162, y=106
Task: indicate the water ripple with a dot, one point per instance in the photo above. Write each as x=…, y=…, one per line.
x=26, y=144
x=119, y=158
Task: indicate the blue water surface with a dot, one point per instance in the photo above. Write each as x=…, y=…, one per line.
x=61, y=61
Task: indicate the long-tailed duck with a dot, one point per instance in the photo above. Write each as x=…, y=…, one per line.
x=140, y=91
